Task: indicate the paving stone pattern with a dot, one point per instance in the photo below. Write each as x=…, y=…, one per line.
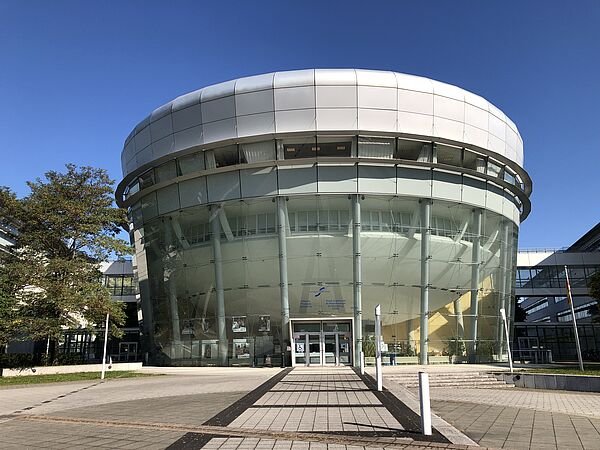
x=321, y=401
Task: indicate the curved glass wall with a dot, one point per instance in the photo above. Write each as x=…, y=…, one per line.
x=215, y=299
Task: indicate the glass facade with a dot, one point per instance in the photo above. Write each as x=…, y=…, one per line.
x=190, y=257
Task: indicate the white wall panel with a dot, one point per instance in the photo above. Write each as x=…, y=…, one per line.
x=496, y=144
x=223, y=186
x=299, y=120
x=258, y=182
x=494, y=199
x=218, y=131
x=415, y=123
x=340, y=178
x=414, y=83
x=256, y=124
x=298, y=179
x=336, y=96
x=335, y=77
x=254, y=83
x=188, y=138
x=222, y=108
x=144, y=157
x=377, y=97
x=448, y=108
x=473, y=191
x=476, y=117
x=507, y=208
x=337, y=119
x=497, y=127
x=376, y=78
x=294, y=78
x=187, y=100
x=449, y=129
x=476, y=136
x=142, y=139
x=161, y=128
x=448, y=90
x=193, y=192
x=415, y=102
x=476, y=100
x=377, y=119
x=163, y=147
x=377, y=179
x=187, y=118
x=219, y=90
x=254, y=102
x=295, y=98
x=446, y=186
x=413, y=182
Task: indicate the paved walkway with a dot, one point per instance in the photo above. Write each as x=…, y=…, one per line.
x=303, y=409
x=512, y=418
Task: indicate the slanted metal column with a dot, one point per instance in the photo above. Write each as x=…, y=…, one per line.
x=357, y=278
x=475, y=264
x=460, y=324
x=169, y=278
x=283, y=277
x=218, y=261
x=425, y=263
x=503, y=285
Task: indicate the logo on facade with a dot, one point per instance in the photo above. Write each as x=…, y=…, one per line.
x=320, y=291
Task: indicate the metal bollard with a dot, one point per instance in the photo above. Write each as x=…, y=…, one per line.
x=425, y=403
x=362, y=363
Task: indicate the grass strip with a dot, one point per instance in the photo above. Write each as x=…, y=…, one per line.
x=78, y=376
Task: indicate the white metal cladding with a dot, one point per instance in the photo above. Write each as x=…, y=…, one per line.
x=322, y=100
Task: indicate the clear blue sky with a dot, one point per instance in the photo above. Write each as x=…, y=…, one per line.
x=75, y=76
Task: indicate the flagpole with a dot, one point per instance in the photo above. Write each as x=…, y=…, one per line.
x=570, y=300
x=104, y=352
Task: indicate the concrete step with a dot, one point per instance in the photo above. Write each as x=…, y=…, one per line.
x=463, y=379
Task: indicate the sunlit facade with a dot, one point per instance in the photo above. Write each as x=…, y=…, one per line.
x=271, y=214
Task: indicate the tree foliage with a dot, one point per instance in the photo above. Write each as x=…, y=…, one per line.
x=51, y=279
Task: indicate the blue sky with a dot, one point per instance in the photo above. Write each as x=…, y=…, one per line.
x=75, y=77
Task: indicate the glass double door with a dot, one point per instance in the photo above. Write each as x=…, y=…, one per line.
x=322, y=348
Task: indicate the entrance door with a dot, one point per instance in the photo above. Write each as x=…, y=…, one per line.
x=322, y=343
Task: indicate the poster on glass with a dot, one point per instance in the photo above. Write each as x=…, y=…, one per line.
x=241, y=348
x=209, y=349
x=264, y=323
x=238, y=324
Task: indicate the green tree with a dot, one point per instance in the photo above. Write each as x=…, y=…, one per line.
x=50, y=280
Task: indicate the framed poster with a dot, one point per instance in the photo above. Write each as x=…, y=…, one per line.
x=241, y=349
x=210, y=349
x=238, y=324
x=264, y=323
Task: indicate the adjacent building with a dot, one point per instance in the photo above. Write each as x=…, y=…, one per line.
x=547, y=332
x=271, y=214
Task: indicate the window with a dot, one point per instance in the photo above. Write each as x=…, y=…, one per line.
x=191, y=163
x=446, y=154
x=166, y=172
x=537, y=307
x=375, y=147
x=258, y=152
x=493, y=169
x=332, y=146
x=297, y=148
x=226, y=156
x=146, y=179
x=414, y=150
x=120, y=285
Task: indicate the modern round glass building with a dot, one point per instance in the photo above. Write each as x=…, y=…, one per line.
x=272, y=213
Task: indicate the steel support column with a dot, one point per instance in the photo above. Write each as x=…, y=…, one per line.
x=425, y=263
x=357, y=278
x=283, y=277
x=475, y=264
x=218, y=262
x=504, y=283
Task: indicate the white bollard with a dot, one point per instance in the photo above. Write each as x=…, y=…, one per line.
x=378, y=374
x=425, y=403
x=362, y=363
